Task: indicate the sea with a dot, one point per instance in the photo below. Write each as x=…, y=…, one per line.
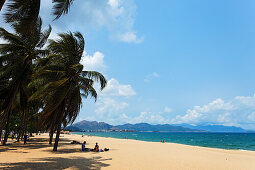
x=233, y=141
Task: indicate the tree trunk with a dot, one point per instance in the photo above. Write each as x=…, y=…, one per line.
x=6, y=136
x=6, y=129
x=1, y=134
x=57, y=136
x=51, y=135
x=25, y=124
x=20, y=131
x=31, y=124
x=19, y=134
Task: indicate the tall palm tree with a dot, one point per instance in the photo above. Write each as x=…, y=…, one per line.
x=17, y=57
x=15, y=7
x=64, y=81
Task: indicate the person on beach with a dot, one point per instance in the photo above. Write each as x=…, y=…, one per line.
x=25, y=138
x=96, y=147
x=83, y=146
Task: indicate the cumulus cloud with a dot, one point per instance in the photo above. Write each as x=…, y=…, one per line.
x=109, y=105
x=149, y=77
x=238, y=112
x=113, y=3
x=146, y=117
x=113, y=101
x=114, y=88
x=130, y=37
x=168, y=109
x=94, y=62
x=117, y=16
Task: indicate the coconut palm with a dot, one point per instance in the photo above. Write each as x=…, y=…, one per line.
x=16, y=7
x=16, y=57
x=64, y=82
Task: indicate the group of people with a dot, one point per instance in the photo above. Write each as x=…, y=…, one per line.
x=96, y=148
x=25, y=137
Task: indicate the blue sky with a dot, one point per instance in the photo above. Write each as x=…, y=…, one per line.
x=169, y=61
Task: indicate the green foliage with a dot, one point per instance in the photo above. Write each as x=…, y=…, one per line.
x=27, y=8
x=41, y=85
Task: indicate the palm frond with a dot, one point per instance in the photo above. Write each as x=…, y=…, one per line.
x=61, y=7
x=96, y=76
x=44, y=37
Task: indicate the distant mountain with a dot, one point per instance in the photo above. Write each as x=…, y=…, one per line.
x=89, y=125
x=95, y=126
x=215, y=128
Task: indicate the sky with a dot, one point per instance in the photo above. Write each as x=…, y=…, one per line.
x=166, y=62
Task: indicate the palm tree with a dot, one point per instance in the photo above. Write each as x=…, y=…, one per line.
x=17, y=57
x=60, y=7
x=64, y=82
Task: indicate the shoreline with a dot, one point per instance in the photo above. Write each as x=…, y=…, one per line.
x=123, y=154
x=234, y=149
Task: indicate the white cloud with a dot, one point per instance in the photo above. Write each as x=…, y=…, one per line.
x=151, y=76
x=130, y=37
x=247, y=100
x=114, y=88
x=113, y=101
x=168, y=109
x=117, y=16
x=147, y=117
x=109, y=105
x=94, y=62
x=239, y=111
x=113, y=3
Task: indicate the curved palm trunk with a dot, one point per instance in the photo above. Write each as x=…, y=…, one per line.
x=52, y=129
x=19, y=135
x=1, y=134
x=55, y=148
x=25, y=124
x=31, y=122
x=31, y=128
x=51, y=135
x=7, y=111
x=6, y=129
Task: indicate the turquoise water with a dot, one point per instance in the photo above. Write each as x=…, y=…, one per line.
x=237, y=141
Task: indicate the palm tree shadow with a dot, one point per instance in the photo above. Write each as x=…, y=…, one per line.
x=58, y=163
x=35, y=143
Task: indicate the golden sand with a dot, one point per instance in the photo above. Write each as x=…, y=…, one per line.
x=123, y=154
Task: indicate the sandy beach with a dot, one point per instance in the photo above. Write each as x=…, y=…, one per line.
x=123, y=154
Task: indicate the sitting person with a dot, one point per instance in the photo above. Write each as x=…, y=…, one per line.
x=25, y=138
x=96, y=147
x=83, y=146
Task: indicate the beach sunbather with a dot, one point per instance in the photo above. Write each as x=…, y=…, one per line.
x=83, y=146
x=96, y=147
x=25, y=138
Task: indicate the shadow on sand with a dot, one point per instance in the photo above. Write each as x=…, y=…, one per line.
x=58, y=163
x=49, y=163
x=34, y=143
